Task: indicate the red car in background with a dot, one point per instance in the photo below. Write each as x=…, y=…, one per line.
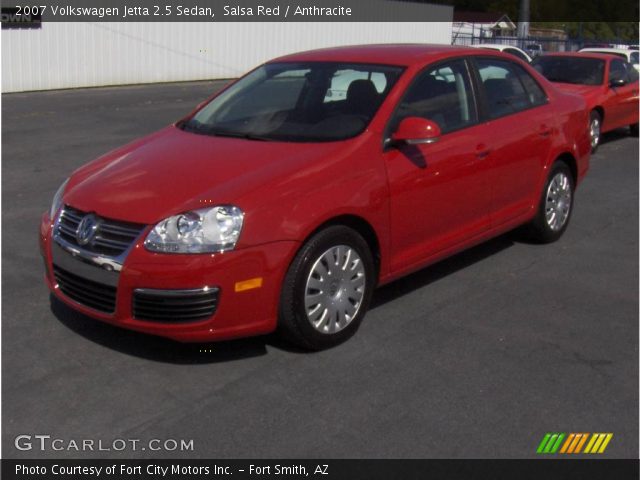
x=284, y=200
x=607, y=83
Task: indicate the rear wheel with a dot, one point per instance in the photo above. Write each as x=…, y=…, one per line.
x=556, y=205
x=327, y=289
x=595, y=129
x=634, y=129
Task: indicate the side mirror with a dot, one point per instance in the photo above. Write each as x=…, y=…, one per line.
x=416, y=130
x=618, y=82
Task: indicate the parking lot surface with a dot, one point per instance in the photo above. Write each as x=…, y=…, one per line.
x=477, y=356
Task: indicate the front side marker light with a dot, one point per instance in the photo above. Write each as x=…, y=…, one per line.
x=248, y=284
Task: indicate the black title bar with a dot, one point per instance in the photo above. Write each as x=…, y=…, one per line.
x=313, y=10
x=534, y=469
x=235, y=11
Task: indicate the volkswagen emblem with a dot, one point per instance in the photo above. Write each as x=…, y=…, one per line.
x=86, y=229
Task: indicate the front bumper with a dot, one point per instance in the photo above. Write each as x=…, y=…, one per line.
x=240, y=312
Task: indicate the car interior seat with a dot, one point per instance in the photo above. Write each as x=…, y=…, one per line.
x=362, y=98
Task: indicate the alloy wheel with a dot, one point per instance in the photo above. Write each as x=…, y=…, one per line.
x=558, y=201
x=335, y=289
x=594, y=132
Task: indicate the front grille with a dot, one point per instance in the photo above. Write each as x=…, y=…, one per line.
x=87, y=292
x=112, y=237
x=174, y=305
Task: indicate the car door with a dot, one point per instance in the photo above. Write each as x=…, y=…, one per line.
x=521, y=121
x=439, y=192
x=622, y=102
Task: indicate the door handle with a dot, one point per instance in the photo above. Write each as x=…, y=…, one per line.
x=482, y=152
x=544, y=131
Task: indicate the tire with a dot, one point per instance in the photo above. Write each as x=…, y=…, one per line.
x=595, y=130
x=327, y=289
x=555, y=207
x=634, y=129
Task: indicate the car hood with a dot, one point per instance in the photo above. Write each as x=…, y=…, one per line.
x=173, y=171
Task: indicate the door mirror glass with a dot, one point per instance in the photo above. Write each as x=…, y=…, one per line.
x=617, y=82
x=416, y=130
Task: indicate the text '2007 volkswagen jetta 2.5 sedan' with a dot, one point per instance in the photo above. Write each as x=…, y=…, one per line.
x=284, y=200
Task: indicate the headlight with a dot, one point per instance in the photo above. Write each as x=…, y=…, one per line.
x=200, y=231
x=57, y=200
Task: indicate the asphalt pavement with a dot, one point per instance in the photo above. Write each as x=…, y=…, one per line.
x=477, y=356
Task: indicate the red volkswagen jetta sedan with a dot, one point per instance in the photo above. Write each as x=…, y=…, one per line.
x=285, y=199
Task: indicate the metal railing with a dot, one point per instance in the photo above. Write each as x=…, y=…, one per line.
x=548, y=44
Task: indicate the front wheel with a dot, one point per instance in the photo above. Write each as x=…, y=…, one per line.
x=555, y=207
x=634, y=129
x=327, y=289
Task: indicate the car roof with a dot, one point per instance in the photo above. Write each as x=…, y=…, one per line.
x=492, y=45
x=599, y=56
x=387, y=54
x=609, y=50
x=498, y=46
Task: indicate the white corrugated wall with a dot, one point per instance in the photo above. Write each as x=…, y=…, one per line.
x=68, y=55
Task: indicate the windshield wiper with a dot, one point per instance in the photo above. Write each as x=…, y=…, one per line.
x=231, y=134
x=194, y=126
x=204, y=129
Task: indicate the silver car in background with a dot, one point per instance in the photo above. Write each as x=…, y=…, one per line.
x=510, y=49
x=629, y=55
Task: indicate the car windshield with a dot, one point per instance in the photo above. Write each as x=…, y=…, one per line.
x=582, y=71
x=298, y=102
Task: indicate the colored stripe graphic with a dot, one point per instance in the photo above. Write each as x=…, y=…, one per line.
x=556, y=445
x=572, y=443
x=581, y=443
x=605, y=443
x=550, y=443
x=544, y=441
x=594, y=437
x=552, y=440
x=567, y=442
x=598, y=442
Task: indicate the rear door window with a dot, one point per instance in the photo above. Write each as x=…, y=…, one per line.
x=618, y=71
x=507, y=87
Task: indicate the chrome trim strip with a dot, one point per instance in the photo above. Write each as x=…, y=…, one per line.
x=74, y=261
x=176, y=293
